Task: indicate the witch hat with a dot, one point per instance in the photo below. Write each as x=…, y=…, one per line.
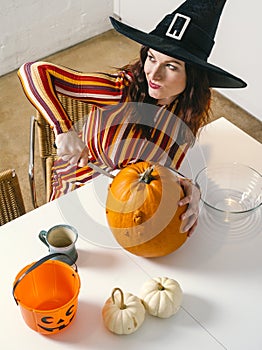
x=187, y=34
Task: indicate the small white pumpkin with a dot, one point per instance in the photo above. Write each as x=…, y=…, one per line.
x=123, y=313
x=162, y=296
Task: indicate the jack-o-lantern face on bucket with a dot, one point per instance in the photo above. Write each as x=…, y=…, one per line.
x=50, y=324
x=47, y=293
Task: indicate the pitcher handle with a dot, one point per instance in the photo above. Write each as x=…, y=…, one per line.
x=37, y=264
x=42, y=237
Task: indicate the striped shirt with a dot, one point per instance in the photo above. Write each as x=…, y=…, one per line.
x=109, y=131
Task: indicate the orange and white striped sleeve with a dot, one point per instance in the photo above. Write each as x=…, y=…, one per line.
x=42, y=81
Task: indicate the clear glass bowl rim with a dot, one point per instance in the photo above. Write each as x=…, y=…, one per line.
x=227, y=164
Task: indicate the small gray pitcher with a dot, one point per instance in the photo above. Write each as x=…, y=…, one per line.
x=61, y=239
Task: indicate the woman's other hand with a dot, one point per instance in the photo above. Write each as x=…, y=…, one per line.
x=192, y=198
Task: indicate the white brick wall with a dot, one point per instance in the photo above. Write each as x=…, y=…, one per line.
x=34, y=29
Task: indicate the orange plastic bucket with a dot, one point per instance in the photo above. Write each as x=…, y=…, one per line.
x=47, y=293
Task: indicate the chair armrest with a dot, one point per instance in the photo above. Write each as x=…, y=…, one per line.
x=31, y=166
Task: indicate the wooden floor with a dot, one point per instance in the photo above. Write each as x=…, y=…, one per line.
x=101, y=53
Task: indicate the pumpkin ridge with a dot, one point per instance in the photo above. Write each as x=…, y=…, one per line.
x=170, y=296
x=162, y=302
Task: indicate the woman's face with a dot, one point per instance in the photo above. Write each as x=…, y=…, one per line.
x=166, y=76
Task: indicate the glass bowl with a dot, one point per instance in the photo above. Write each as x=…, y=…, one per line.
x=230, y=191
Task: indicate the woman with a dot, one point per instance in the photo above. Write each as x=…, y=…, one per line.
x=149, y=110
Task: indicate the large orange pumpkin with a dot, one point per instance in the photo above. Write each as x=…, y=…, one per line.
x=142, y=210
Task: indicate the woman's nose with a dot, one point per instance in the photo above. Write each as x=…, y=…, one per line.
x=157, y=73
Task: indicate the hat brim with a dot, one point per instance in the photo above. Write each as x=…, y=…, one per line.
x=218, y=77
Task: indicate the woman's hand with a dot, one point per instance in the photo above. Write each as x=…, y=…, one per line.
x=71, y=148
x=192, y=198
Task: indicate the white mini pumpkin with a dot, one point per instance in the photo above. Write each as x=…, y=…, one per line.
x=123, y=313
x=162, y=296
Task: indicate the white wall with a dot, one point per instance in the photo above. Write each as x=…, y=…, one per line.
x=238, y=46
x=33, y=29
x=239, y=50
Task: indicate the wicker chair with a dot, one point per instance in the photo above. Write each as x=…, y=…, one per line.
x=77, y=111
x=11, y=200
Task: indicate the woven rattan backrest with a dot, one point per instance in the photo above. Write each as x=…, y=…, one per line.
x=11, y=200
x=77, y=111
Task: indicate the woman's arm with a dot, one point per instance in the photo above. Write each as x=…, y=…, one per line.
x=42, y=81
x=192, y=193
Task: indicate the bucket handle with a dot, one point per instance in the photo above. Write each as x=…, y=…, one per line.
x=37, y=264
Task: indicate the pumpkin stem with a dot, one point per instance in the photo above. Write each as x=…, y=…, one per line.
x=122, y=304
x=160, y=286
x=147, y=175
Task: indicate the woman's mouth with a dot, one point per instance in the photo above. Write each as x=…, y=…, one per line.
x=153, y=85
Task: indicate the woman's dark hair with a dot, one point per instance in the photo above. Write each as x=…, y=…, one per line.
x=193, y=103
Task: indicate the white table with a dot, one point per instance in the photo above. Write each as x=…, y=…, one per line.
x=219, y=269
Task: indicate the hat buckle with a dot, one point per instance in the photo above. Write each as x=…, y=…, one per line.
x=178, y=26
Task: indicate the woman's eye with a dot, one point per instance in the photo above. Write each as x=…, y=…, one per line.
x=171, y=66
x=151, y=58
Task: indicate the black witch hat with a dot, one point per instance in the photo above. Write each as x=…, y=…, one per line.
x=187, y=34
